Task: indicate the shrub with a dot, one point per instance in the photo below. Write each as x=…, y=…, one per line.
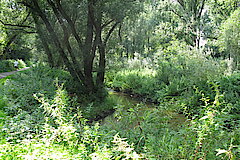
x=174, y=76
x=163, y=134
x=185, y=71
x=64, y=135
x=7, y=65
x=21, y=64
x=21, y=87
x=230, y=87
x=135, y=81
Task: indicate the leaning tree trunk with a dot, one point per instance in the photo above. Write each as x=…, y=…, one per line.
x=44, y=41
x=38, y=11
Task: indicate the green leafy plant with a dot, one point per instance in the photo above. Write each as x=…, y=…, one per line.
x=7, y=65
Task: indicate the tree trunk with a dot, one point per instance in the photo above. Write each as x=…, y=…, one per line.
x=88, y=55
x=102, y=65
x=37, y=10
x=44, y=41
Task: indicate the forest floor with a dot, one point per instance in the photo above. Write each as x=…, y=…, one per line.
x=5, y=74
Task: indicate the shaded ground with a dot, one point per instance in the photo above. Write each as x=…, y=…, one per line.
x=5, y=74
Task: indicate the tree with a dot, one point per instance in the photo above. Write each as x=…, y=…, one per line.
x=230, y=37
x=79, y=32
x=189, y=13
x=15, y=26
x=136, y=35
x=218, y=12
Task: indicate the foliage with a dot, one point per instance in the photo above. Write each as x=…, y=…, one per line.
x=173, y=74
x=40, y=79
x=75, y=34
x=57, y=128
x=137, y=81
x=213, y=119
x=26, y=115
x=229, y=37
x=229, y=87
x=16, y=29
x=156, y=56
x=98, y=109
x=7, y=65
x=163, y=134
x=64, y=134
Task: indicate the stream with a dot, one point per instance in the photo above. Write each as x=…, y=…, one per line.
x=129, y=103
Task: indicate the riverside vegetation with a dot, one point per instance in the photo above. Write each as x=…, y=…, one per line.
x=51, y=123
x=178, y=60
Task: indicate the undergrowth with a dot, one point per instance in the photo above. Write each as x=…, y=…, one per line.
x=46, y=122
x=161, y=133
x=7, y=65
x=64, y=133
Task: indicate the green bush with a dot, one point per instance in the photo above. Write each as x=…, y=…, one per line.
x=29, y=63
x=21, y=87
x=173, y=76
x=7, y=65
x=163, y=134
x=135, y=81
x=185, y=71
x=229, y=86
x=18, y=102
x=21, y=64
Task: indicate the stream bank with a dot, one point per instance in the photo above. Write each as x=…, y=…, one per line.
x=134, y=105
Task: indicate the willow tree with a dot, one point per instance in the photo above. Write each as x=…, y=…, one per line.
x=79, y=31
x=229, y=39
x=190, y=18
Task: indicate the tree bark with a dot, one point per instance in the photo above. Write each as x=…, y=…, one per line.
x=57, y=43
x=88, y=55
x=44, y=41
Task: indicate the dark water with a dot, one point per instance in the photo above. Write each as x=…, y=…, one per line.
x=128, y=101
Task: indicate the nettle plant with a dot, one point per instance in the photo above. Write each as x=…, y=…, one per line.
x=210, y=126
x=64, y=126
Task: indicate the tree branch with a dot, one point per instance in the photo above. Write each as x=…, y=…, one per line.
x=66, y=34
x=20, y=29
x=181, y=2
x=119, y=33
x=16, y=25
x=176, y=13
x=201, y=9
x=110, y=32
x=56, y=41
x=70, y=22
x=107, y=23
